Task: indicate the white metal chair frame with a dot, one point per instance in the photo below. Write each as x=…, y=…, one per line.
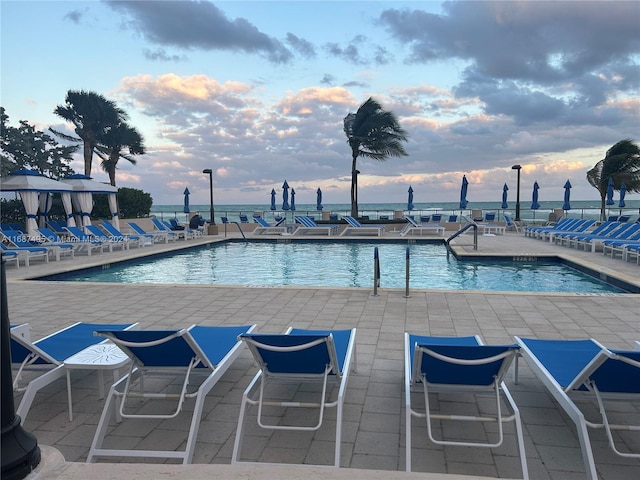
x=121, y=394
x=564, y=395
x=494, y=388
x=264, y=377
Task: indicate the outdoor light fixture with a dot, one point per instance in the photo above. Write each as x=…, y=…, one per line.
x=211, y=216
x=518, y=168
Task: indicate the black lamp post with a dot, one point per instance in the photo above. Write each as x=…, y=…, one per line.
x=20, y=452
x=210, y=172
x=518, y=168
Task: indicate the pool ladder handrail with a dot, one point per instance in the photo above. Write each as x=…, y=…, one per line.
x=376, y=272
x=460, y=232
x=240, y=228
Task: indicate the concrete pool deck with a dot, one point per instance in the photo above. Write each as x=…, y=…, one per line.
x=374, y=432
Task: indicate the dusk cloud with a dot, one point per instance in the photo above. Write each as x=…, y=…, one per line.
x=197, y=25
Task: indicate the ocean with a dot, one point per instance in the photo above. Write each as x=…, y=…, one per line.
x=579, y=209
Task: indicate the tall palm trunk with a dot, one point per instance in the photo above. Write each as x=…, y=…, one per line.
x=111, y=169
x=354, y=186
x=88, y=157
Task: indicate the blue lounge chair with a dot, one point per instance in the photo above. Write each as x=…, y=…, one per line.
x=561, y=225
x=460, y=364
x=264, y=228
x=413, y=227
x=300, y=357
x=563, y=238
x=202, y=351
x=86, y=242
x=594, y=241
x=356, y=227
x=630, y=237
x=156, y=234
x=26, y=254
x=511, y=224
x=106, y=238
x=49, y=239
x=631, y=250
x=57, y=226
x=48, y=354
x=139, y=240
x=9, y=256
x=308, y=225
x=585, y=368
x=162, y=227
x=21, y=240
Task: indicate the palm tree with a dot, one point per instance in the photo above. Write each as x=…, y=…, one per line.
x=372, y=133
x=622, y=164
x=91, y=114
x=112, y=145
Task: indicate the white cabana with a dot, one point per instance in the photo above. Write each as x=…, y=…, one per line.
x=82, y=197
x=29, y=184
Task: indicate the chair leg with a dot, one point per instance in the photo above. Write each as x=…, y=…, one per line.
x=109, y=407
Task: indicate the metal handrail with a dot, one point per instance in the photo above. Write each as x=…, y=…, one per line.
x=376, y=272
x=460, y=232
x=407, y=269
x=240, y=228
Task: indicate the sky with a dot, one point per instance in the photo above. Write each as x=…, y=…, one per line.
x=258, y=90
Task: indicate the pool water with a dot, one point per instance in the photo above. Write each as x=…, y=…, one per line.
x=343, y=264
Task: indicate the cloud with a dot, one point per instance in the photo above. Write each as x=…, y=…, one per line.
x=351, y=53
x=522, y=58
x=198, y=25
x=302, y=46
x=161, y=55
x=75, y=16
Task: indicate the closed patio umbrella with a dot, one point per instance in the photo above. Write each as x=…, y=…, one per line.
x=319, y=199
x=410, y=199
x=285, y=196
x=534, y=199
x=567, y=196
x=463, y=193
x=505, y=189
x=293, y=199
x=610, y=186
x=273, y=199
x=186, y=200
x=623, y=191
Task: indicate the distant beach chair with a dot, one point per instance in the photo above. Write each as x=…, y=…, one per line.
x=356, y=227
x=453, y=218
x=107, y=238
x=86, y=242
x=25, y=254
x=511, y=224
x=161, y=227
x=309, y=225
x=413, y=227
x=155, y=235
x=140, y=239
x=265, y=228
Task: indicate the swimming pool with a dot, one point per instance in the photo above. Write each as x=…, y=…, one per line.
x=342, y=264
